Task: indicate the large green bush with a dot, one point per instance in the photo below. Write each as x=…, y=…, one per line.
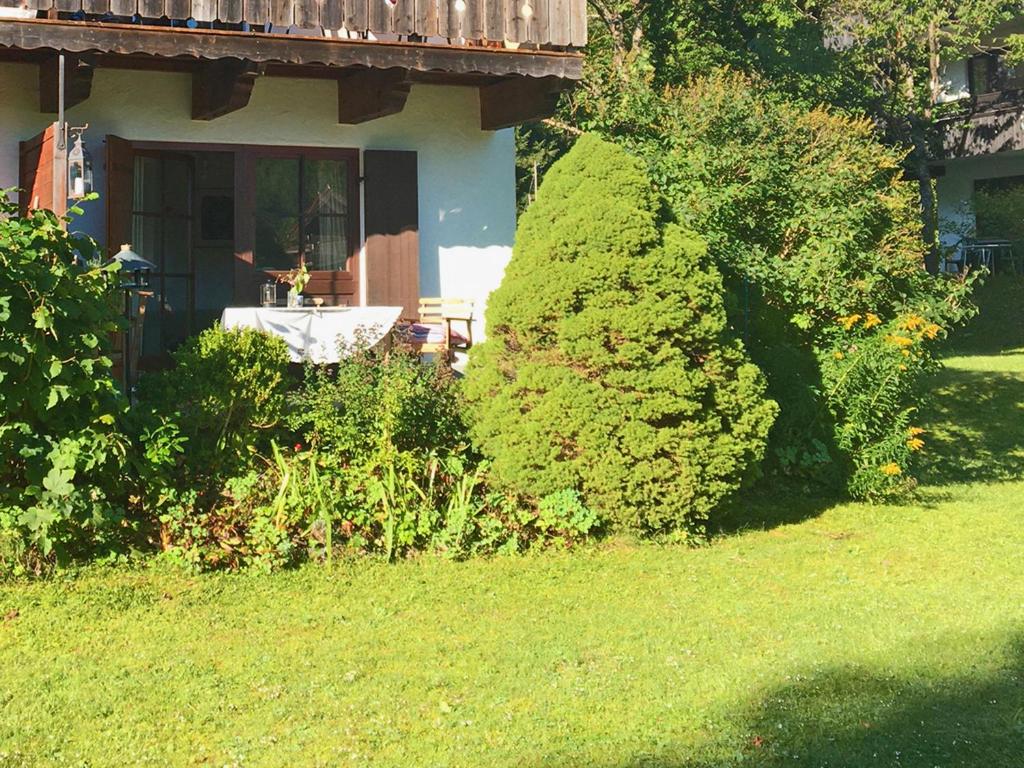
x=60, y=451
x=820, y=238
x=608, y=367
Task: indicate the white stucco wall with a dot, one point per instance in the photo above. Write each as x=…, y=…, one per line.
x=956, y=189
x=466, y=175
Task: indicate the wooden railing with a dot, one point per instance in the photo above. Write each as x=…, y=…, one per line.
x=557, y=23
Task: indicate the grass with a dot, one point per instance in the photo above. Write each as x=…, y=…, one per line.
x=861, y=636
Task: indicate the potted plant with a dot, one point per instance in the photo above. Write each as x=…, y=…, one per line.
x=298, y=279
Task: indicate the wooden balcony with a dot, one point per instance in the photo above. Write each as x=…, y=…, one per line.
x=561, y=24
x=994, y=122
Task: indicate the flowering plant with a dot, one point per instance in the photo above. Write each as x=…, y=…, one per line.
x=296, y=278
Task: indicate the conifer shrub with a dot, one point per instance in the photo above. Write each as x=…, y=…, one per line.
x=609, y=368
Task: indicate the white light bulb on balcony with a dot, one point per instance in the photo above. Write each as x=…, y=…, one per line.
x=460, y=6
x=527, y=11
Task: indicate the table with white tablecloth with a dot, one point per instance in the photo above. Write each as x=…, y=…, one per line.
x=318, y=334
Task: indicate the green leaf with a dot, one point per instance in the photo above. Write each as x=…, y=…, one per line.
x=43, y=317
x=38, y=518
x=58, y=481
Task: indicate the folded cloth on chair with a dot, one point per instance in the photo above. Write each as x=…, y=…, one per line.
x=421, y=333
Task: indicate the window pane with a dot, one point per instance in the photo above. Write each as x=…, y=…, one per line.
x=166, y=323
x=177, y=237
x=148, y=185
x=178, y=186
x=325, y=208
x=146, y=238
x=326, y=187
x=326, y=243
x=277, y=213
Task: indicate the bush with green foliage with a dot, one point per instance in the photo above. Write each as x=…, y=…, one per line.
x=389, y=434
x=608, y=368
x=60, y=448
x=813, y=224
x=369, y=455
x=998, y=214
x=199, y=426
x=349, y=411
x=226, y=395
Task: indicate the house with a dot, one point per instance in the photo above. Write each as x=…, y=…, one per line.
x=982, y=153
x=371, y=139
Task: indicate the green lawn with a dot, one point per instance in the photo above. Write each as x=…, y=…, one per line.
x=861, y=636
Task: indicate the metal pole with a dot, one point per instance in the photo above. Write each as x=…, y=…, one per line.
x=63, y=131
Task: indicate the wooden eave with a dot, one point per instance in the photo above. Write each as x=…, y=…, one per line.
x=88, y=37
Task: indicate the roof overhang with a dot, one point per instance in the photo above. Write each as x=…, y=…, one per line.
x=374, y=76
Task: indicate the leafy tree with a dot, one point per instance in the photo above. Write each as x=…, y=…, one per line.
x=900, y=48
x=881, y=59
x=608, y=367
x=60, y=450
x=810, y=217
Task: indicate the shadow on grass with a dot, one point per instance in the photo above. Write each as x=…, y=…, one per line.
x=765, y=508
x=999, y=326
x=852, y=717
x=975, y=427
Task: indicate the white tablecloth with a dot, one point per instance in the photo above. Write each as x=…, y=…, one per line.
x=316, y=334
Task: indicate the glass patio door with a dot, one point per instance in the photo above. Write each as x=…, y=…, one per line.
x=161, y=222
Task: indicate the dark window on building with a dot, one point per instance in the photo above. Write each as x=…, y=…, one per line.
x=989, y=73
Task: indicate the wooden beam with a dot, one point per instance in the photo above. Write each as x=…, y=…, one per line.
x=371, y=93
x=517, y=100
x=80, y=36
x=77, y=82
x=222, y=86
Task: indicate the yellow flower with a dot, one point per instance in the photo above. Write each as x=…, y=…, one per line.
x=915, y=443
x=900, y=341
x=838, y=355
x=903, y=367
x=913, y=322
x=891, y=469
x=906, y=352
x=915, y=431
x=931, y=330
x=871, y=320
x=849, y=321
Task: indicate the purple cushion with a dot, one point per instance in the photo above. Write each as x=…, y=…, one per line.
x=421, y=333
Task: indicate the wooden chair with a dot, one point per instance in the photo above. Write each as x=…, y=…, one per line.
x=433, y=333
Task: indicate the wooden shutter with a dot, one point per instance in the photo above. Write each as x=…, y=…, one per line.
x=43, y=175
x=120, y=192
x=392, y=230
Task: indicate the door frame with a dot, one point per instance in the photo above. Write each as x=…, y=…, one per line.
x=330, y=285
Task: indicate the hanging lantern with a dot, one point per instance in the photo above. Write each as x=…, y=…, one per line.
x=79, y=170
x=526, y=11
